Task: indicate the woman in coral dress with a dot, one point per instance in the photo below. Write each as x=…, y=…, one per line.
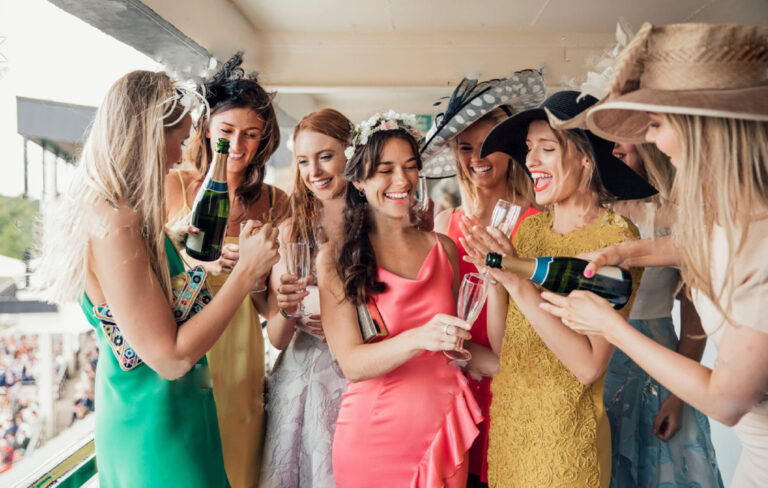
x=408, y=417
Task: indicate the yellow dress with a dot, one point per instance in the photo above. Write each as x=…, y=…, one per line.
x=236, y=361
x=237, y=369
x=547, y=429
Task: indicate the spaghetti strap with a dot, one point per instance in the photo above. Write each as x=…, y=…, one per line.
x=183, y=188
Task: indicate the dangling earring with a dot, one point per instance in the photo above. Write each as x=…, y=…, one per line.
x=360, y=193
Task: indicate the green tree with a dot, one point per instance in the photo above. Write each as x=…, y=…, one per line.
x=18, y=223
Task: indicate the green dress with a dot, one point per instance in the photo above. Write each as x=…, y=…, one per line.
x=152, y=432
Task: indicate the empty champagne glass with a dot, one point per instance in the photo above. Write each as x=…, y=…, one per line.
x=504, y=216
x=472, y=293
x=421, y=204
x=299, y=265
x=420, y=195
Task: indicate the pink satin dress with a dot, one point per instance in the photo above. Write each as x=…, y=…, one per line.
x=413, y=426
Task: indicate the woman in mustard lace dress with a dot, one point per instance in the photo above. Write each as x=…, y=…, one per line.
x=548, y=424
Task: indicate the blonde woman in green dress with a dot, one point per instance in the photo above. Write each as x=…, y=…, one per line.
x=106, y=244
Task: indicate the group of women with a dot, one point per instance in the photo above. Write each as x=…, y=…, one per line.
x=559, y=391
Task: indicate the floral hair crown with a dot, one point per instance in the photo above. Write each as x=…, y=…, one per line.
x=389, y=120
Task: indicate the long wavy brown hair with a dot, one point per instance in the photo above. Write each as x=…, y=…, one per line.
x=305, y=207
x=232, y=88
x=357, y=260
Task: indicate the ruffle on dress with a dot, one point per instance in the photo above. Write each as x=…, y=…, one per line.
x=449, y=448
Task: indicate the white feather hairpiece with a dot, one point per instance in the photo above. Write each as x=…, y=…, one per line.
x=597, y=80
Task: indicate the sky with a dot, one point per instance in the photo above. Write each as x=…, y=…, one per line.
x=48, y=54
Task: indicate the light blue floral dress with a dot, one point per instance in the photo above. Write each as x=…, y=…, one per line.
x=632, y=399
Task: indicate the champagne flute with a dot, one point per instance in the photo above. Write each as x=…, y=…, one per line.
x=504, y=216
x=420, y=197
x=298, y=264
x=472, y=293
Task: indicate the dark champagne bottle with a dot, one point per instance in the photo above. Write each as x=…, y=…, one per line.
x=562, y=275
x=211, y=209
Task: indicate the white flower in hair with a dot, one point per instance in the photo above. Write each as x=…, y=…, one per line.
x=389, y=120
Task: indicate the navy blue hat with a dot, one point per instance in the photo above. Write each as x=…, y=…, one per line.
x=616, y=177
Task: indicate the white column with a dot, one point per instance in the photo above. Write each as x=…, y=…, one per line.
x=45, y=383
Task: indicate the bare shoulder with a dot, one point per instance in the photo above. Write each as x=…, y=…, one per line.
x=281, y=208
x=117, y=217
x=327, y=258
x=448, y=245
x=443, y=219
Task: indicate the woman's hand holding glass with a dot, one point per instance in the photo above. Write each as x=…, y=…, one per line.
x=261, y=283
x=291, y=292
x=258, y=250
x=441, y=333
x=479, y=240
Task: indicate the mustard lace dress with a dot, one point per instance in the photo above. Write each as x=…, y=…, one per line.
x=547, y=429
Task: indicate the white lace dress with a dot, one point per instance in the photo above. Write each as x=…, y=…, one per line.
x=303, y=399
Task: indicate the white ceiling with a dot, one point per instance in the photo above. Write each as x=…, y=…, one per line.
x=360, y=56
x=487, y=15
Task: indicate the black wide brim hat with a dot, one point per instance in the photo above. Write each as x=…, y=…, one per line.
x=616, y=177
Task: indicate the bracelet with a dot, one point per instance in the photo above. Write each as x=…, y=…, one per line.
x=285, y=314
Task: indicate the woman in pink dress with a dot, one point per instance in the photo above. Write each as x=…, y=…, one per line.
x=408, y=417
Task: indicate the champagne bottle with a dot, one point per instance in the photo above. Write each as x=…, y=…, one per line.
x=562, y=275
x=211, y=209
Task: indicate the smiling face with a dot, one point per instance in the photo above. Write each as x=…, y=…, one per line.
x=488, y=171
x=557, y=173
x=661, y=133
x=320, y=160
x=174, y=138
x=390, y=189
x=244, y=129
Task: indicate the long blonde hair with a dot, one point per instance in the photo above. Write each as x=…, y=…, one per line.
x=123, y=160
x=660, y=172
x=518, y=182
x=722, y=179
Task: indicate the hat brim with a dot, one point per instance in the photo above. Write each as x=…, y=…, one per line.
x=521, y=91
x=625, y=118
x=616, y=177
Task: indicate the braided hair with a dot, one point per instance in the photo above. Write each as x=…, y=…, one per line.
x=357, y=260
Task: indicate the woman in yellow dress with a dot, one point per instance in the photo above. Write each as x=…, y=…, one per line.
x=242, y=112
x=548, y=424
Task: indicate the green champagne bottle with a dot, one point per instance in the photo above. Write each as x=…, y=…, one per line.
x=562, y=275
x=211, y=209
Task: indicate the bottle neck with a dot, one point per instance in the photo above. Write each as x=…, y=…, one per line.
x=523, y=266
x=219, y=171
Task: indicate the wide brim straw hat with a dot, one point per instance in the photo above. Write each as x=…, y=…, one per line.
x=711, y=70
x=509, y=135
x=469, y=102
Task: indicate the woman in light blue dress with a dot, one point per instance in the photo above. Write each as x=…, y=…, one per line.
x=657, y=440
x=305, y=386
